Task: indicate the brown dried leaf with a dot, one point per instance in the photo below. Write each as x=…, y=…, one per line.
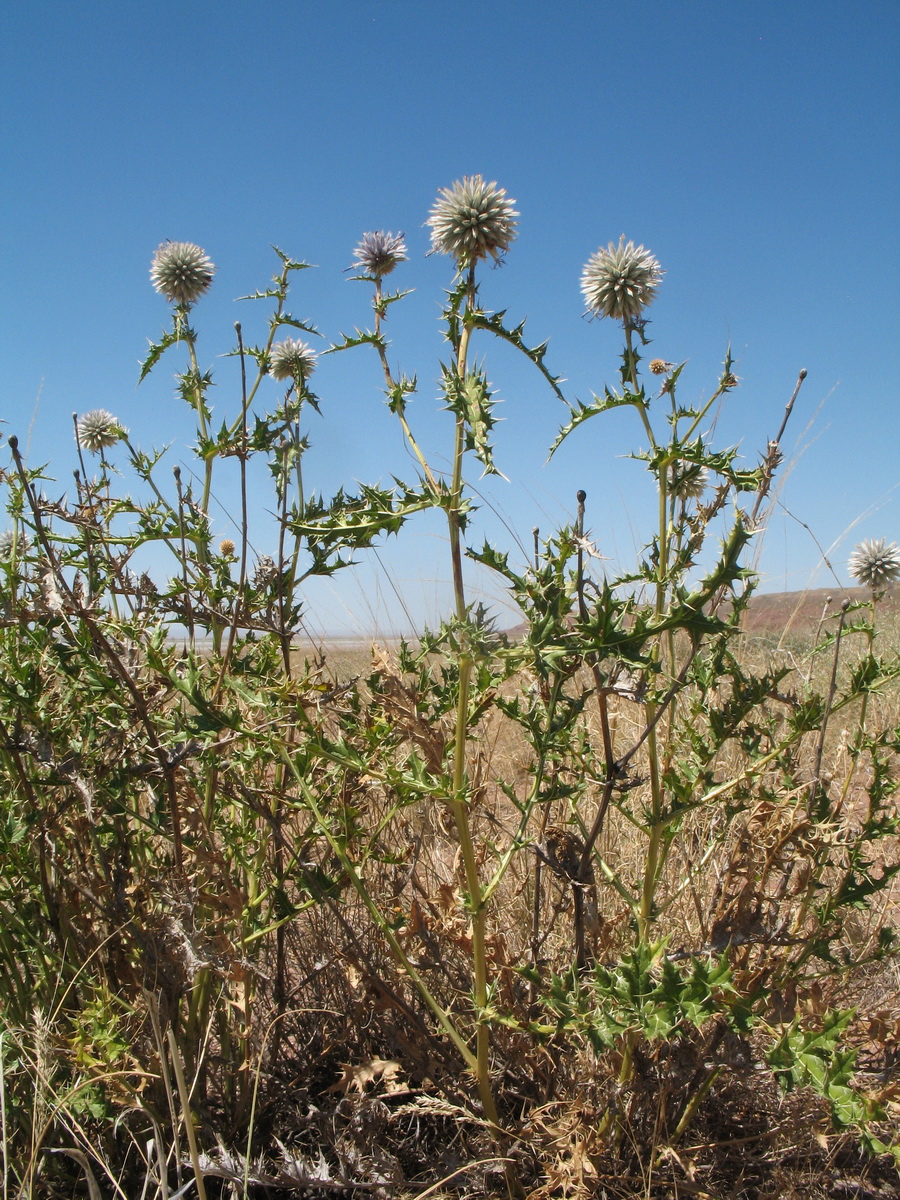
x=357, y=1078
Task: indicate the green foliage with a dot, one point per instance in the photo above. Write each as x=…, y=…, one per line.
x=648, y=994
x=612, y=831
x=818, y=1058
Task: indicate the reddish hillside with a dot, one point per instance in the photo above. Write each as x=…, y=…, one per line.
x=776, y=611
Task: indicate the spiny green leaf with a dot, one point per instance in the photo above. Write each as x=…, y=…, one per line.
x=362, y=337
x=583, y=412
x=493, y=323
x=157, y=349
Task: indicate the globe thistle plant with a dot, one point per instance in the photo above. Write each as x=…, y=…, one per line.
x=292, y=360
x=875, y=564
x=98, y=429
x=181, y=272
x=226, y=547
x=378, y=253
x=620, y=281
x=471, y=220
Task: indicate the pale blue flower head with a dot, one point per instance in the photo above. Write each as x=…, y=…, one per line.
x=378, y=253
x=291, y=360
x=98, y=429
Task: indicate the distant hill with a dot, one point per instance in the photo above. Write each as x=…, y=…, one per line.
x=775, y=611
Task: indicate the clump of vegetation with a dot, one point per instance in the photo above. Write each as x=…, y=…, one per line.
x=555, y=914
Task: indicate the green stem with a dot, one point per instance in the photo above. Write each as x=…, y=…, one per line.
x=393, y=386
x=377, y=916
x=657, y=825
x=184, y=1097
x=459, y=799
x=201, y=417
x=861, y=723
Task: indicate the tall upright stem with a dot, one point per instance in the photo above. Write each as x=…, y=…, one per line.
x=654, y=848
x=459, y=801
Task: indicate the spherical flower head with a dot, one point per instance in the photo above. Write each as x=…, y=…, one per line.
x=620, y=281
x=226, y=547
x=471, y=220
x=378, y=253
x=875, y=564
x=98, y=429
x=181, y=272
x=687, y=480
x=292, y=360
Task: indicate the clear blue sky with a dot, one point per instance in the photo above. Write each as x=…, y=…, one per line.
x=751, y=146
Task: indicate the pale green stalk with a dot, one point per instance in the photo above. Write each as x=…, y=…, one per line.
x=186, y=1113
x=458, y=800
x=392, y=385
x=375, y=913
x=652, y=860
x=864, y=706
x=3, y=1117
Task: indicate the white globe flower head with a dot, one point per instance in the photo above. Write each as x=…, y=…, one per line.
x=292, y=360
x=620, y=281
x=98, y=429
x=875, y=564
x=471, y=220
x=378, y=253
x=687, y=480
x=181, y=272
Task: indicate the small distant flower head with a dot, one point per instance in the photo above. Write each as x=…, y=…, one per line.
x=181, y=272
x=378, y=253
x=620, y=281
x=471, y=220
x=875, y=564
x=659, y=366
x=292, y=359
x=688, y=480
x=98, y=429
x=50, y=593
x=226, y=547
x=265, y=571
x=8, y=540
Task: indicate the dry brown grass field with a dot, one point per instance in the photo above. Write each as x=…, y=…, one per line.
x=735, y=880
x=285, y=1015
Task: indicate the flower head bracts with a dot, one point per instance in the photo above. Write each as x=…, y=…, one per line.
x=98, y=429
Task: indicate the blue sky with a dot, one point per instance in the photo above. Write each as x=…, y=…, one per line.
x=752, y=147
